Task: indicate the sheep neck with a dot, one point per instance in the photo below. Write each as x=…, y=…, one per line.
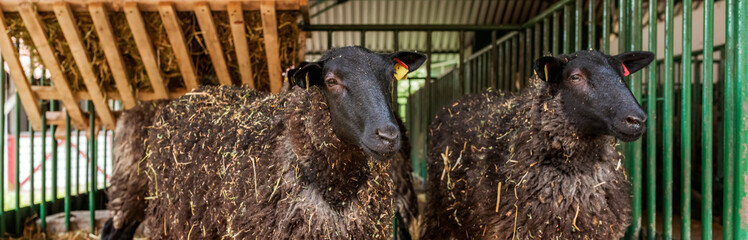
x=554, y=140
x=337, y=170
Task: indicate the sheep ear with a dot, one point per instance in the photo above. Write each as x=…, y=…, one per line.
x=548, y=69
x=634, y=61
x=308, y=75
x=412, y=60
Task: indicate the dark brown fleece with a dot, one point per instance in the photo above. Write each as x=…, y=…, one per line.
x=128, y=183
x=225, y=164
x=554, y=183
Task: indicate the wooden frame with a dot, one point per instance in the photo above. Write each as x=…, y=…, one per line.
x=73, y=36
x=39, y=38
x=113, y=56
x=10, y=54
x=65, y=12
x=178, y=44
x=238, y=32
x=272, y=48
x=210, y=35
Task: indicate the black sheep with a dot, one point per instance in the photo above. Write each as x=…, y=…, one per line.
x=320, y=160
x=551, y=151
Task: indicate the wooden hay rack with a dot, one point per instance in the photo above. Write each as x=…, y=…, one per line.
x=83, y=44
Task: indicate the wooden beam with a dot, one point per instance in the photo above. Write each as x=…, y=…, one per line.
x=178, y=44
x=145, y=48
x=39, y=37
x=239, y=33
x=210, y=35
x=73, y=36
x=50, y=93
x=10, y=54
x=272, y=49
x=145, y=5
x=304, y=8
x=113, y=55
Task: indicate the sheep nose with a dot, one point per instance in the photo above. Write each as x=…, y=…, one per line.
x=635, y=121
x=388, y=134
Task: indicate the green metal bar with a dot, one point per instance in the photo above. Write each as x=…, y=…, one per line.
x=622, y=20
x=546, y=37
x=3, y=77
x=77, y=161
x=396, y=45
x=667, y=131
x=651, y=127
x=461, y=63
x=556, y=25
x=536, y=50
x=492, y=60
x=526, y=62
x=410, y=27
x=507, y=65
x=578, y=25
x=741, y=99
x=515, y=60
x=553, y=9
x=635, y=148
x=591, y=41
x=567, y=28
x=53, y=142
x=685, y=124
x=92, y=163
x=31, y=142
x=706, y=127
x=43, y=204
x=729, y=125
x=18, y=168
x=606, y=26
x=68, y=180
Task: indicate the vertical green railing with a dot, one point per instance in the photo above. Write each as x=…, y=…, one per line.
x=685, y=123
x=652, y=127
x=706, y=129
x=667, y=131
x=729, y=122
x=3, y=78
x=741, y=100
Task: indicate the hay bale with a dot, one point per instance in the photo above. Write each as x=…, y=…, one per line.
x=287, y=29
x=266, y=166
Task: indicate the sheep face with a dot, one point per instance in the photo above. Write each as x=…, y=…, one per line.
x=593, y=92
x=357, y=84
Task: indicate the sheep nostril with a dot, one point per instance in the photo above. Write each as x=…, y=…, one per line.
x=633, y=120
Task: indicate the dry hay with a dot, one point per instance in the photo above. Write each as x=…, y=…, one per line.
x=288, y=32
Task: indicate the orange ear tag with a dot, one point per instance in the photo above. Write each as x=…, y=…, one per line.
x=401, y=70
x=546, y=72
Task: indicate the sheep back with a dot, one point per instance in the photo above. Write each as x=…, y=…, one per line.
x=504, y=166
x=261, y=166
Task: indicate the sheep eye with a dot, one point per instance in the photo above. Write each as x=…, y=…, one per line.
x=575, y=77
x=331, y=82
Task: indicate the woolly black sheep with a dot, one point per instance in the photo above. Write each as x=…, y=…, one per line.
x=321, y=160
x=541, y=164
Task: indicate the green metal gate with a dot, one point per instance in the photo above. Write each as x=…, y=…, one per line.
x=697, y=117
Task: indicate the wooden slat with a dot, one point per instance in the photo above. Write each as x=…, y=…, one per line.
x=73, y=36
x=239, y=33
x=39, y=37
x=210, y=35
x=304, y=8
x=272, y=50
x=50, y=93
x=146, y=5
x=10, y=54
x=113, y=55
x=145, y=49
x=178, y=44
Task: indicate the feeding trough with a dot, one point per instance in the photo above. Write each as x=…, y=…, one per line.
x=144, y=50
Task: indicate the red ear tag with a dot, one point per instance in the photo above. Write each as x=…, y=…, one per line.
x=401, y=63
x=626, y=72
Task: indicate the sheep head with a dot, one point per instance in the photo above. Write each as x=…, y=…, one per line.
x=357, y=85
x=593, y=92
